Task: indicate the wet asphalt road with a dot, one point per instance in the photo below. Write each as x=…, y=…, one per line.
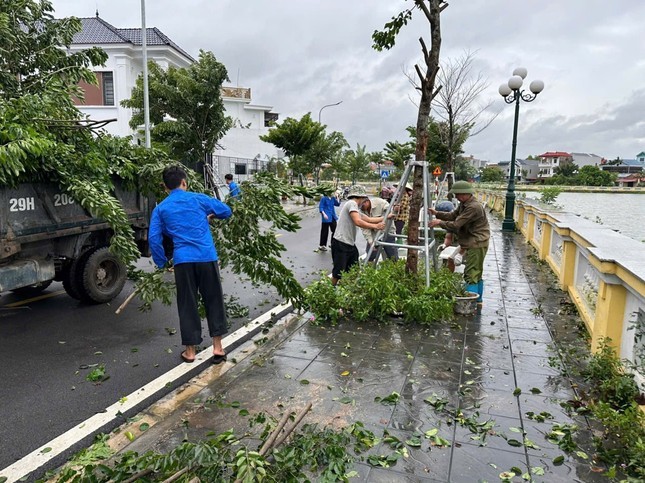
x=46, y=346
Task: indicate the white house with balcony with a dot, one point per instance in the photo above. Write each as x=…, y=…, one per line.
x=526, y=170
x=551, y=160
x=240, y=151
x=122, y=68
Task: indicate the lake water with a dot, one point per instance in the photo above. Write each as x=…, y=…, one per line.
x=624, y=212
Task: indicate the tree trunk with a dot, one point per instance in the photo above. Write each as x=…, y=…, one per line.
x=432, y=10
x=451, y=147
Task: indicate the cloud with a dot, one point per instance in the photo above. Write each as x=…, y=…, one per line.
x=298, y=56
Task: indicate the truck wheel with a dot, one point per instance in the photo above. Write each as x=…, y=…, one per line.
x=72, y=276
x=32, y=290
x=103, y=276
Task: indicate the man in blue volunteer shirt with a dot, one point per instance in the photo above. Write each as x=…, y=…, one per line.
x=183, y=217
x=328, y=215
x=233, y=187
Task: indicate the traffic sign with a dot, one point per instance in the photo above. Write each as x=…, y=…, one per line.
x=437, y=171
x=384, y=173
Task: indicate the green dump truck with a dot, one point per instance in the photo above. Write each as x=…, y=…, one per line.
x=46, y=236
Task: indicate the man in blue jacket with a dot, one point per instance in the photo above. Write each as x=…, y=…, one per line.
x=183, y=217
x=328, y=217
x=234, y=191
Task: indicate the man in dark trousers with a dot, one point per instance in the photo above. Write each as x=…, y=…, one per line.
x=327, y=208
x=470, y=223
x=344, y=252
x=183, y=217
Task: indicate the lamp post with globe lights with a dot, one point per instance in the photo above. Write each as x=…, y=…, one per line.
x=512, y=92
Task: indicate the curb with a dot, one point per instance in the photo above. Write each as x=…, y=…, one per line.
x=57, y=451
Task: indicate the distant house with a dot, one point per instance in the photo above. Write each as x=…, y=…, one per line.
x=625, y=180
x=625, y=166
x=551, y=160
x=240, y=151
x=476, y=163
x=526, y=170
x=641, y=157
x=586, y=159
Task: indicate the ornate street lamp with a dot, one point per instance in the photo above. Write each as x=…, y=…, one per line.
x=512, y=92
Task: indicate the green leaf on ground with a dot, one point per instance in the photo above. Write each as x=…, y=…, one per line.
x=390, y=400
x=517, y=391
x=144, y=427
x=535, y=390
x=514, y=442
x=413, y=442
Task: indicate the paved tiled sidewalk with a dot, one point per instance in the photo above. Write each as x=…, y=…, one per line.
x=472, y=366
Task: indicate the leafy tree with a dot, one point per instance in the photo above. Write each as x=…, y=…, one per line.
x=186, y=107
x=323, y=151
x=338, y=167
x=296, y=137
x=357, y=161
x=386, y=39
x=42, y=139
x=594, y=176
x=492, y=174
x=277, y=166
x=41, y=133
x=438, y=153
x=464, y=169
x=398, y=153
x=566, y=169
x=32, y=61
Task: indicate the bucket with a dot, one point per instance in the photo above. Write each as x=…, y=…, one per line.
x=466, y=304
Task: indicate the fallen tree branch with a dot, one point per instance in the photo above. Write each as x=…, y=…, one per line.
x=268, y=444
x=290, y=429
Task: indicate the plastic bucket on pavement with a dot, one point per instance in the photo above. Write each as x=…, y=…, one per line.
x=466, y=304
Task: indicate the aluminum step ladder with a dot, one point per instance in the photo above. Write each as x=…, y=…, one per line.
x=429, y=245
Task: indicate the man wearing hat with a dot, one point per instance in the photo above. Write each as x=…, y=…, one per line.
x=470, y=224
x=344, y=252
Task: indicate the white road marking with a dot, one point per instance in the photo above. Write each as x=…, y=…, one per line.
x=39, y=457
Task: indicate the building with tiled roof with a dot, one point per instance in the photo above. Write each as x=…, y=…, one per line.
x=240, y=151
x=551, y=160
x=125, y=63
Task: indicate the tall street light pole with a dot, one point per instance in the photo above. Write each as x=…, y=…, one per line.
x=328, y=105
x=512, y=93
x=144, y=50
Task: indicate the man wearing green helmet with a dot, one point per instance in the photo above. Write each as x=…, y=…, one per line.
x=470, y=223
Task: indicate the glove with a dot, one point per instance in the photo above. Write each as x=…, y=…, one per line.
x=459, y=258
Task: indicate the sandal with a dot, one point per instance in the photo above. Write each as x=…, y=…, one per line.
x=219, y=358
x=186, y=359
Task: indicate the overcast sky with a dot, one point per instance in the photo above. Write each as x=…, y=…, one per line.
x=298, y=55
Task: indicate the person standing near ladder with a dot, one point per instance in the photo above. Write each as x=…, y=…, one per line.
x=470, y=223
x=328, y=215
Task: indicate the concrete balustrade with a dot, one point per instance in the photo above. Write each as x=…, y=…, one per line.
x=603, y=271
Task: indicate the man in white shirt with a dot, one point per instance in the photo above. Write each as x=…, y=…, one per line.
x=344, y=252
x=376, y=208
